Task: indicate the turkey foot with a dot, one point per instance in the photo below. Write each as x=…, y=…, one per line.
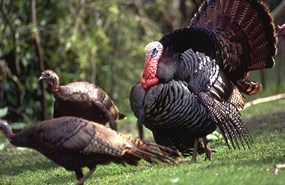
x=208, y=150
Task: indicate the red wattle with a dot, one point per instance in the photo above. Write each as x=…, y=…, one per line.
x=147, y=83
x=149, y=79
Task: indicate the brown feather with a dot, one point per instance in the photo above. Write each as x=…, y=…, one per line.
x=75, y=143
x=246, y=34
x=82, y=99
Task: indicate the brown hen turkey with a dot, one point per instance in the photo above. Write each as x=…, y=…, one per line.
x=194, y=76
x=82, y=99
x=75, y=143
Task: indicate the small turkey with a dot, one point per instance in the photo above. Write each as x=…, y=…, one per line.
x=74, y=143
x=194, y=76
x=82, y=99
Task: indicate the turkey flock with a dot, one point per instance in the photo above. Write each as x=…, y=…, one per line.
x=192, y=83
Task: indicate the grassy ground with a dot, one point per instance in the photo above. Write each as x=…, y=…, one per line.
x=244, y=167
x=255, y=166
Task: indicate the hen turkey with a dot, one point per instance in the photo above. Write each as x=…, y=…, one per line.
x=82, y=99
x=75, y=143
x=194, y=76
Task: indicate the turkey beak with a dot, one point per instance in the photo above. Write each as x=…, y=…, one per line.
x=41, y=78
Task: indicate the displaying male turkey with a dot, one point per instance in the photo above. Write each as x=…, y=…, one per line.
x=82, y=99
x=193, y=76
x=75, y=143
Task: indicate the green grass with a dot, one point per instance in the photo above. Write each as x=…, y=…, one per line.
x=255, y=166
x=267, y=125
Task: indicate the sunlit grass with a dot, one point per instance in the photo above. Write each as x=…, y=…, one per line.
x=253, y=166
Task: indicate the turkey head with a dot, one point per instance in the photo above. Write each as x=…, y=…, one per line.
x=51, y=78
x=158, y=69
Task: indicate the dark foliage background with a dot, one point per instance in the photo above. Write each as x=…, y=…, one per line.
x=91, y=40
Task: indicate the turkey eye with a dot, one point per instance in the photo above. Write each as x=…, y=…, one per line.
x=154, y=52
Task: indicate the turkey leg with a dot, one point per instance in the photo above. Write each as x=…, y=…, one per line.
x=208, y=150
x=195, y=151
x=86, y=176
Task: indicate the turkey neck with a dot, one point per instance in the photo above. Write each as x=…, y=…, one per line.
x=54, y=85
x=7, y=131
x=18, y=139
x=149, y=79
x=22, y=139
x=61, y=93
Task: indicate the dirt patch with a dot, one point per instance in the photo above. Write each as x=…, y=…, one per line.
x=274, y=121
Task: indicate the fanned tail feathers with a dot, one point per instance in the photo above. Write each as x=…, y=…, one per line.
x=245, y=32
x=249, y=87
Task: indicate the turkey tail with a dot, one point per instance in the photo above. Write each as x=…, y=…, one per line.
x=245, y=32
x=249, y=87
x=228, y=119
x=151, y=152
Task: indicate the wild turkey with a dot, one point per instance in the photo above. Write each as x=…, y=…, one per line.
x=75, y=143
x=193, y=76
x=82, y=99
